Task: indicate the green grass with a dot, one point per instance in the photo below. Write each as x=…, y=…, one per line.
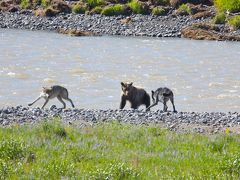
x=79, y=8
x=219, y=18
x=25, y=4
x=136, y=7
x=224, y=5
x=158, y=11
x=97, y=10
x=185, y=8
x=93, y=3
x=51, y=150
x=114, y=10
x=45, y=3
x=235, y=22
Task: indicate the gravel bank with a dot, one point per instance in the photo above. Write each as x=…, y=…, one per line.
x=140, y=25
x=182, y=121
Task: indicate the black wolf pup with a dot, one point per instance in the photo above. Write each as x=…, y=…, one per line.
x=162, y=95
x=136, y=96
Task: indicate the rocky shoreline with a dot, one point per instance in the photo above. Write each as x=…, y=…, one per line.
x=140, y=25
x=134, y=25
x=205, y=122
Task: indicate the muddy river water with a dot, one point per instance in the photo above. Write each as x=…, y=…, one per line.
x=204, y=75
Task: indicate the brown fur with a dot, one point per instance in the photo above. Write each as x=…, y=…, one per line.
x=55, y=91
x=136, y=96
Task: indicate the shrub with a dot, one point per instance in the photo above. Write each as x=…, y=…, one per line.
x=25, y=4
x=235, y=22
x=220, y=18
x=93, y=3
x=158, y=11
x=185, y=8
x=231, y=5
x=116, y=9
x=97, y=10
x=137, y=7
x=79, y=8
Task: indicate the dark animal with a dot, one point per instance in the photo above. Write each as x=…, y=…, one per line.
x=162, y=95
x=136, y=96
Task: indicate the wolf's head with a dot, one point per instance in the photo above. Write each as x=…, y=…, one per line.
x=126, y=88
x=46, y=90
x=154, y=96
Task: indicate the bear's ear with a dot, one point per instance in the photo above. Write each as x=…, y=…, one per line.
x=131, y=84
x=122, y=84
x=152, y=92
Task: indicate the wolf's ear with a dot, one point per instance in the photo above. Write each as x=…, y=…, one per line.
x=44, y=88
x=152, y=92
x=131, y=84
x=122, y=84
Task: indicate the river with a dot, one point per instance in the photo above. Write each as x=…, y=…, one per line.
x=204, y=75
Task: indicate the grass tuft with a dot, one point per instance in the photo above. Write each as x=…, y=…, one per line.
x=79, y=8
x=136, y=7
x=97, y=10
x=114, y=10
x=158, y=11
x=235, y=22
x=185, y=8
x=219, y=18
x=93, y=3
x=25, y=4
x=230, y=5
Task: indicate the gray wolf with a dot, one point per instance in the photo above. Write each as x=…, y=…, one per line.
x=162, y=95
x=55, y=91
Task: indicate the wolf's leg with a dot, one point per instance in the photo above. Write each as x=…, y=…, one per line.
x=165, y=106
x=151, y=106
x=68, y=99
x=30, y=104
x=172, y=101
x=45, y=103
x=60, y=99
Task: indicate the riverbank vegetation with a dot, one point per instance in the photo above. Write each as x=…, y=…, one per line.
x=115, y=151
x=226, y=12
